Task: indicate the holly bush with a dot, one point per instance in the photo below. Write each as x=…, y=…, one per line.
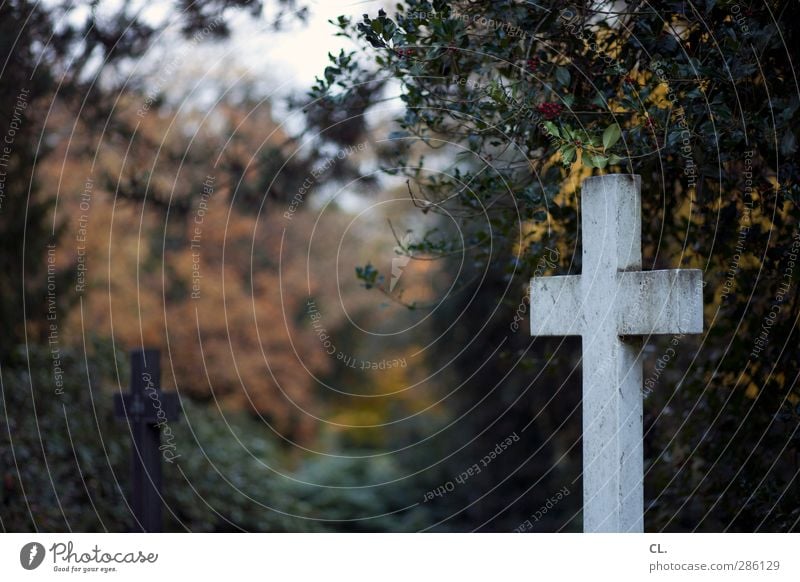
x=506, y=106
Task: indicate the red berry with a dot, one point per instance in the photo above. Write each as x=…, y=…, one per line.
x=549, y=110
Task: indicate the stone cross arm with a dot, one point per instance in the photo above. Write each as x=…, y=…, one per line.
x=638, y=303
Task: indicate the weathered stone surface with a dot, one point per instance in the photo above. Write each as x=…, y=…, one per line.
x=613, y=306
x=660, y=302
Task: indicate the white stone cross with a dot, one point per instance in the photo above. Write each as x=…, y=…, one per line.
x=614, y=306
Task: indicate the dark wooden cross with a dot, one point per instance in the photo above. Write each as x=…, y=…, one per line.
x=147, y=410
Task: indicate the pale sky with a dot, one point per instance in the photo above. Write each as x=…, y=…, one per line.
x=295, y=55
x=303, y=50
x=281, y=63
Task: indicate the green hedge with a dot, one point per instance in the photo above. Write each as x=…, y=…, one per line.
x=64, y=463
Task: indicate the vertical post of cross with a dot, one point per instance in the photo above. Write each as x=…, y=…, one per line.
x=146, y=409
x=612, y=370
x=146, y=438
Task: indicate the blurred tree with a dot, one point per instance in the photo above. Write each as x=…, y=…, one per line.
x=67, y=52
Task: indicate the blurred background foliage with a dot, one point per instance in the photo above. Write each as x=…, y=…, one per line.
x=68, y=470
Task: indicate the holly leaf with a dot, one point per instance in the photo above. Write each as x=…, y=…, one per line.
x=788, y=143
x=552, y=128
x=611, y=135
x=567, y=155
x=562, y=76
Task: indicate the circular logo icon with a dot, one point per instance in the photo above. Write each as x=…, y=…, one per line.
x=31, y=555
